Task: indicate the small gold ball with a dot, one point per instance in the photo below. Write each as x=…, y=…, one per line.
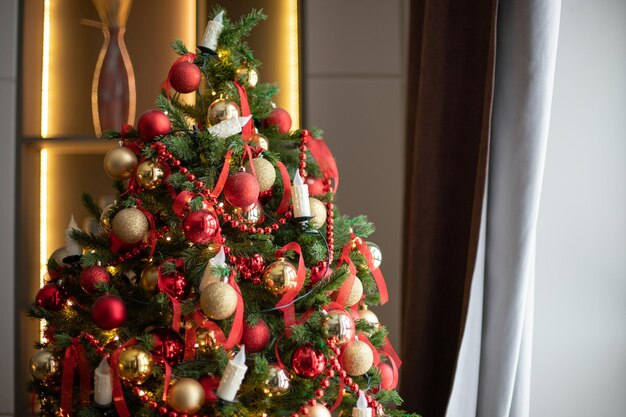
x=43, y=365
x=250, y=215
x=120, y=162
x=278, y=381
x=149, y=280
x=265, y=173
x=358, y=358
x=368, y=315
x=355, y=293
x=150, y=174
x=130, y=225
x=105, y=217
x=218, y=300
x=260, y=141
x=247, y=76
x=318, y=211
x=135, y=364
x=222, y=109
x=339, y=325
x=206, y=340
x=280, y=276
x=186, y=396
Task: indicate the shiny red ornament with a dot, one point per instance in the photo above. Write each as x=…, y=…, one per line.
x=386, y=376
x=316, y=186
x=308, y=363
x=185, y=77
x=241, y=189
x=256, y=337
x=210, y=384
x=153, y=123
x=91, y=276
x=200, y=227
x=168, y=346
x=51, y=297
x=279, y=118
x=250, y=268
x=176, y=285
x=109, y=312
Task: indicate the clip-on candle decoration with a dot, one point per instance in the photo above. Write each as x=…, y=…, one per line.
x=361, y=409
x=211, y=34
x=229, y=127
x=72, y=247
x=300, y=199
x=208, y=278
x=233, y=376
x=103, y=390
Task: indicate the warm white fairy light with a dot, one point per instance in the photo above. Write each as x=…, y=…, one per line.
x=294, y=65
x=45, y=69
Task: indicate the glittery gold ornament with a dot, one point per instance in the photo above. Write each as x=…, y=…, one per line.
x=338, y=325
x=105, y=217
x=265, y=173
x=250, y=215
x=368, y=315
x=358, y=358
x=355, y=293
x=280, y=276
x=120, y=162
x=186, y=396
x=222, y=109
x=135, y=365
x=247, y=76
x=278, y=381
x=318, y=211
x=149, y=279
x=43, y=365
x=130, y=225
x=218, y=300
x=377, y=254
x=150, y=174
x=318, y=410
x=260, y=141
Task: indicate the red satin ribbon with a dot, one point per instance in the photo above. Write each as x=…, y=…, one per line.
x=289, y=310
x=378, y=275
x=236, y=332
x=166, y=85
x=221, y=180
x=181, y=203
x=325, y=159
x=175, y=303
x=391, y=352
x=118, y=392
x=75, y=357
x=344, y=291
x=246, y=130
x=284, y=202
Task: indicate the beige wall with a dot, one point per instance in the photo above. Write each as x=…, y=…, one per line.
x=353, y=71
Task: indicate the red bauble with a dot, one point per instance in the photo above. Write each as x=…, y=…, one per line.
x=153, y=123
x=51, y=297
x=109, y=312
x=308, y=363
x=241, y=189
x=210, y=384
x=386, y=376
x=185, y=77
x=256, y=337
x=91, y=276
x=168, y=346
x=200, y=227
x=175, y=285
x=279, y=118
x=316, y=186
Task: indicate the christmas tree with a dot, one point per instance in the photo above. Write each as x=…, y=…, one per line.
x=217, y=286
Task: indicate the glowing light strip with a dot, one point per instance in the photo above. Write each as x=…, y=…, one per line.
x=43, y=224
x=294, y=64
x=45, y=69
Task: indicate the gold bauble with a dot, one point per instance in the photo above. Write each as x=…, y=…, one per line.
x=358, y=358
x=130, y=225
x=247, y=76
x=43, y=365
x=149, y=280
x=206, y=340
x=377, y=254
x=280, y=276
x=222, y=109
x=105, y=217
x=318, y=211
x=218, y=300
x=120, y=162
x=265, y=173
x=368, y=315
x=260, y=141
x=318, y=410
x=150, y=174
x=278, y=381
x=186, y=396
x=250, y=215
x=355, y=293
x=135, y=364
x=338, y=325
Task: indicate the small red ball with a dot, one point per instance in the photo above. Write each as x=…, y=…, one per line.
x=168, y=346
x=316, y=186
x=51, y=297
x=91, y=276
x=386, y=376
x=241, y=189
x=185, y=77
x=279, y=118
x=256, y=337
x=200, y=227
x=153, y=123
x=109, y=312
x=308, y=363
x=210, y=384
x=175, y=285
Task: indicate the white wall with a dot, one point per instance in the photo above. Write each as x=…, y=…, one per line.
x=579, y=357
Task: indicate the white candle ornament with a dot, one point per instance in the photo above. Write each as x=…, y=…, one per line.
x=212, y=34
x=103, y=390
x=219, y=260
x=361, y=409
x=229, y=127
x=233, y=376
x=300, y=197
x=72, y=247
